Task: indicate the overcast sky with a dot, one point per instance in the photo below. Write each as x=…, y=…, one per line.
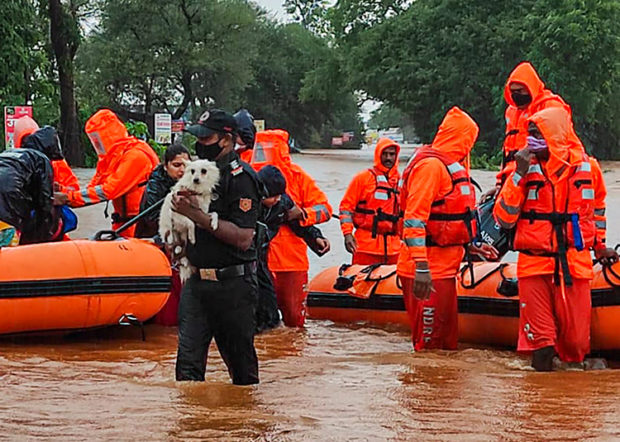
x=274, y=6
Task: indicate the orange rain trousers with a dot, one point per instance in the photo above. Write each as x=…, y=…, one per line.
x=547, y=318
x=291, y=293
x=434, y=322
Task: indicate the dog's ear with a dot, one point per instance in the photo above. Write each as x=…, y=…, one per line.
x=186, y=162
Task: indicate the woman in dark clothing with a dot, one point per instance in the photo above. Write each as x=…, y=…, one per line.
x=159, y=184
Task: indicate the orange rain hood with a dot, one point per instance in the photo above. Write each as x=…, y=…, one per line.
x=105, y=129
x=456, y=135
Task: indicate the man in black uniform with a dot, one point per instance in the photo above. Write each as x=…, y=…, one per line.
x=219, y=300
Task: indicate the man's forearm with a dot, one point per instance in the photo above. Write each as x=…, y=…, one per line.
x=226, y=231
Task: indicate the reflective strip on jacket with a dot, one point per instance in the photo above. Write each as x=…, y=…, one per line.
x=287, y=251
x=369, y=191
x=429, y=181
x=124, y=166
x=569, y=182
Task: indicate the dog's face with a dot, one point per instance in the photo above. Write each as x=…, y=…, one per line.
x=200, y=177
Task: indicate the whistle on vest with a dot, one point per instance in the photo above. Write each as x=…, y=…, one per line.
x=577, y=236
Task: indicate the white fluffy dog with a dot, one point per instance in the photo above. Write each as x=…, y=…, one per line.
x=200, y=179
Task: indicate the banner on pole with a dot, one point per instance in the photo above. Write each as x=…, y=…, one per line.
x=163, y=128
x=12, y=113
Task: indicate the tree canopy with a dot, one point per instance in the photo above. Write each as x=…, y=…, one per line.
x=440, y=53
x=307, y=75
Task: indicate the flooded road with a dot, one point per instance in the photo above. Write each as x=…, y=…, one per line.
x=325, y=382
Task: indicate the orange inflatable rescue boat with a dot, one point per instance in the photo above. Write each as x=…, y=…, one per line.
x=81, y=284
x=488, y=307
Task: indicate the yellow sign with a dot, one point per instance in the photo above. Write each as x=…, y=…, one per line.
x=260, y=125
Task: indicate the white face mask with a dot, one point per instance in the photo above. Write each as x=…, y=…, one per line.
x=95, y=140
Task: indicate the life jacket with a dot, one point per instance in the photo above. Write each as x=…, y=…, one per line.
x=452, y=220
x=543, y=229
x=381, y=213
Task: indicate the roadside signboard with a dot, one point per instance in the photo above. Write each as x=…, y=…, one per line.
x=260, y=125
x=336, y=141
x=163, y=128
x=12, y=113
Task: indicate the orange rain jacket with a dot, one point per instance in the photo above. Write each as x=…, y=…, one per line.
x=124, y=165
x=287, y=251
x=567, y=156
x=428, y=182
x=361, y=193
x=63, y=175
x=516, y=119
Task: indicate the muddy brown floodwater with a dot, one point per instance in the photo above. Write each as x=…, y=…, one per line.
x=325, y=382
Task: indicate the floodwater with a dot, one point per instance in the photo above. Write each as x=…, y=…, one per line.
x=325, y=382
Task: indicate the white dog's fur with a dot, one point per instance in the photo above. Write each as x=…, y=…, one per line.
x=200, y=178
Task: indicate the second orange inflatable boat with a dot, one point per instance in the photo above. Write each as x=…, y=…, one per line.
x=485, y=315
x=80, y=284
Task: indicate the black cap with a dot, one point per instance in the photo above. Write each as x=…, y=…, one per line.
x=273, y=180
x=213, y=121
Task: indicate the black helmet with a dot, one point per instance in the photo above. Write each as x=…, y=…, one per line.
x=245, y=127
x=46, y=141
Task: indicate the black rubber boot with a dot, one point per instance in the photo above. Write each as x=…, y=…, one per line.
x=542, y=359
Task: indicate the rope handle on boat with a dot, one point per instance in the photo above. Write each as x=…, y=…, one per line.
x=111, y=235
x=473, y=284
x=607, y=269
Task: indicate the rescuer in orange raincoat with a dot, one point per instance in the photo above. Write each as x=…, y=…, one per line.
x=287, y=256
x=371, y=206
x=124, y=166
x=525, y=93
x=438, y=201
x=555, y=200
x=64, y=178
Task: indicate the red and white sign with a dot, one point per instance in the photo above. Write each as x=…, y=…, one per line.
x=12, y=113
x=178, y=126
x=336, y=141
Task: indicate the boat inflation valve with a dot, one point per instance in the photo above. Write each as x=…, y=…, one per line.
x=129, y=319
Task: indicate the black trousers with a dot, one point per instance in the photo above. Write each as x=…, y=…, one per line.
x=224, y=310
x=267, y=315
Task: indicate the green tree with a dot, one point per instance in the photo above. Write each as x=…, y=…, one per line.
x=65, y=37
x=575, y=45
x=168, y=55
x=25, y=68
x=440, y=53
x=299, y=85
